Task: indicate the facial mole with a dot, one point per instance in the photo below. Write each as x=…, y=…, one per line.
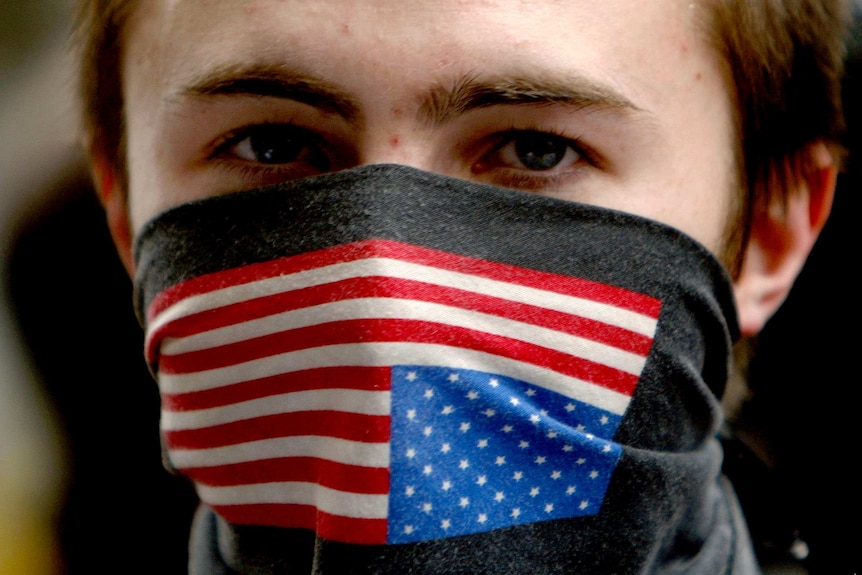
x=698, y=77
x=394, y=141
x=397, y=112
x=345, y=28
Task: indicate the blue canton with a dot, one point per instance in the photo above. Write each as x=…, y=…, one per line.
x=473, y=451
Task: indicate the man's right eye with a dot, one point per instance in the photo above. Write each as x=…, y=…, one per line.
x=273, y=145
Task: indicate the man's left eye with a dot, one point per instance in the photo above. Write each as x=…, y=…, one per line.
x=536, y=151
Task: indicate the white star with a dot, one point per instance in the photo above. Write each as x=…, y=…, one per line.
x=514, y=400
x=482, y=480
x=447, y=410
x=411, y=376
x=493, y=382
x=584, y=504
x=427, y=431
x=534, y=491
x=410, y=491
x=567, y=448
x=543, y=412
x=471, y=395
x=427, y=507
x=581, y=461
x=483, y=517
x=531, y=392
x=464, y=502
x=570, y=407
x=408, y=529
x=590, y=436
x=549, y=507
x=552, y=434
x=453, y=377
x=556, y=474
x=606, y=448
x=500, y=460
x=445, y=448
x=523, y=444
x=518, y=475
x=580, y=427
x=464, y=427
x=535, y=418
x=507, y=429
x=447, y=485
x=446, y=524
x=482, y=443
x=570, y=490
x=594, y=474
x=464, y=464
x=427, y=470
x=489, y=412
x=429, y=393
x=516, y=512
x=540, y=459
x=411, y=414
x=604, y=419
x=411, y=453
x=499, y=496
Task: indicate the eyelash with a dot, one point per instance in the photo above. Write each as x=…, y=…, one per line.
x=503, y=176
x=575, y=142
x=536, y=180
x=221, y=149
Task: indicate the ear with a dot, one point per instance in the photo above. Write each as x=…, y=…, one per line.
x=113, y=197
x=782, y=239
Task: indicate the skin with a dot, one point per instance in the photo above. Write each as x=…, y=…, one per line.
x=634, y=103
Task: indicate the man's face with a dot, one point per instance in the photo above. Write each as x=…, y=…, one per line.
x=615, y=103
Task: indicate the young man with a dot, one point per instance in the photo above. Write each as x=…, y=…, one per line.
x=451, y=287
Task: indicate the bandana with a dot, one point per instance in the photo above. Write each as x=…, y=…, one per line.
x=397, y=371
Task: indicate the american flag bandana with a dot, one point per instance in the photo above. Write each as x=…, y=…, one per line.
x=385, y=376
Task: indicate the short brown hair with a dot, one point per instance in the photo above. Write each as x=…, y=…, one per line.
x=784, y=60
x=98, y=42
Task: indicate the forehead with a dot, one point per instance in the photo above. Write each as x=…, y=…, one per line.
x=621, y=42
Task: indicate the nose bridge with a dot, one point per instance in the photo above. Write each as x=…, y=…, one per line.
x=393, y=135
x=401, y=145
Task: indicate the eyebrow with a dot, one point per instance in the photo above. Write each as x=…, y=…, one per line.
x=471, y=93
x=439, y=105
x=273, y=82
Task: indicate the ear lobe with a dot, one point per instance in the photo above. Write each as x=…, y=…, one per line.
x=780, y=242
x=113, y=198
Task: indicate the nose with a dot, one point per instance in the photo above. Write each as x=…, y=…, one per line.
x=404, y=146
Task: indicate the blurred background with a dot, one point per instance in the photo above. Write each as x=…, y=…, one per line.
x=32, y=445
x=82, y=489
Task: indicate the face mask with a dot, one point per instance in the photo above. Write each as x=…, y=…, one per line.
x=386, y=356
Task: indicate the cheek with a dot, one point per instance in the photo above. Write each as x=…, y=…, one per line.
x=157, y=180
x=721, y=198
x=706, y=204
x=154, y=183
x=144, y=182
x=707, y=212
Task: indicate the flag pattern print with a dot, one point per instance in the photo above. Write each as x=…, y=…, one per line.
x=382, y=392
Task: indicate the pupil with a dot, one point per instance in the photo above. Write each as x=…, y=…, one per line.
x=275, y=148
x=540, y=151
